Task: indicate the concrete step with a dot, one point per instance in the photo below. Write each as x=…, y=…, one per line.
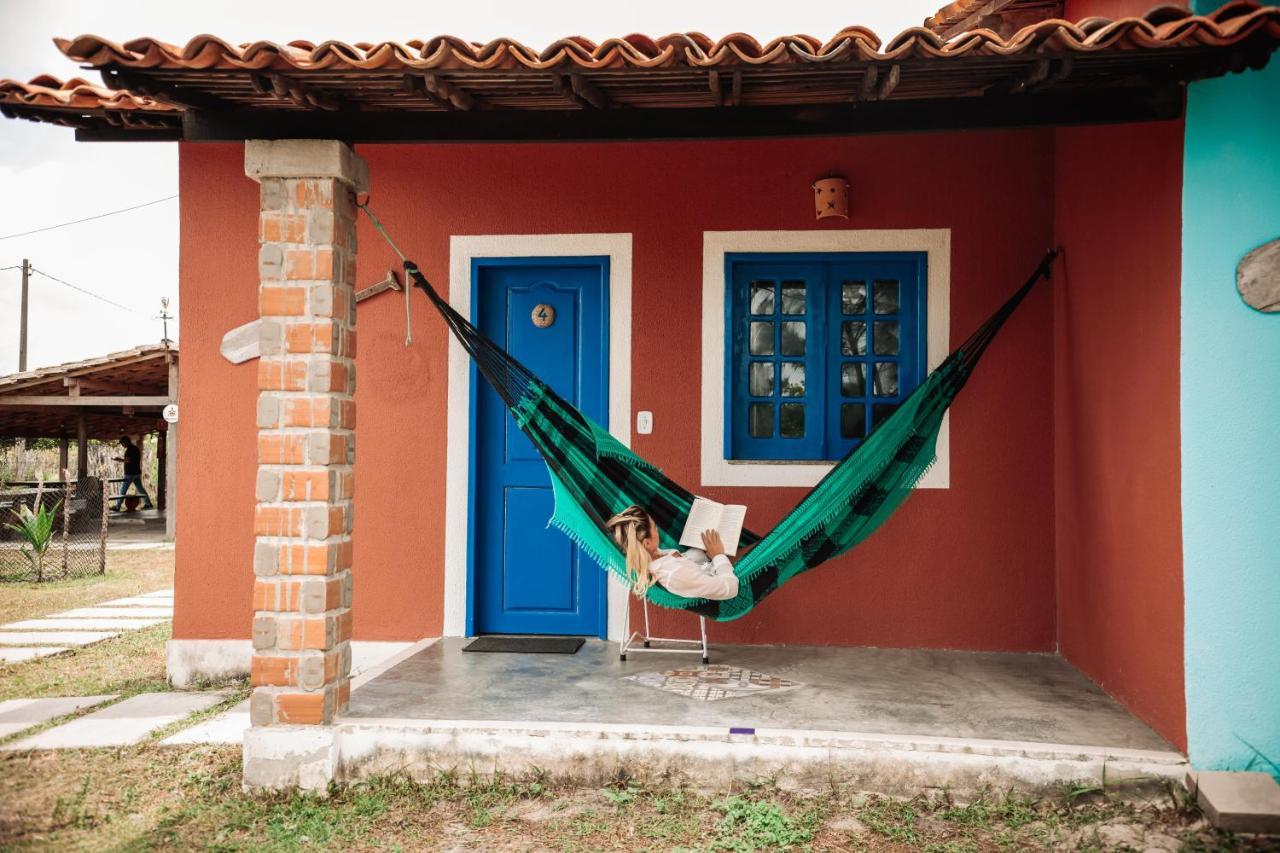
x=228, y=727
x=122, y=724
x=17, y=654
x=138, y=601
x=1245, y=801
x=19, y=714
x=54, y=638
x=115, y=613
x=50, y=623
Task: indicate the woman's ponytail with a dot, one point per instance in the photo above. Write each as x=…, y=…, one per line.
x=629, y=529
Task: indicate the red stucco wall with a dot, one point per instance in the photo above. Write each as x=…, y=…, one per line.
x=1118, y=509
x=970, y=567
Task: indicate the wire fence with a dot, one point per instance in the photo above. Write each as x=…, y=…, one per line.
x=54, y=531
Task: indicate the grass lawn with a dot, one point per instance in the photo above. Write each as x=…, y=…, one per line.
x=150, y=797
x=128, y=573
x=128, y=664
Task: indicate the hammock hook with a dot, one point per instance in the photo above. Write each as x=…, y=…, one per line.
x=362, y=202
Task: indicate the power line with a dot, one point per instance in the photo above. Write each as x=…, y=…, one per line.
x=89, y=218
x=84, y=291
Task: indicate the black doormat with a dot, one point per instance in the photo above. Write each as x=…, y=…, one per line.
x=526, y=645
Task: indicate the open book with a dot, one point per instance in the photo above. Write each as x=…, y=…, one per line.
x=709, y=515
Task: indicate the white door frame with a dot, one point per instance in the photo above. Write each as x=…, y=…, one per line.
x=462, y=251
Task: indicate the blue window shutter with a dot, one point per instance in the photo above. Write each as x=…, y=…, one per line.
x=810, y=370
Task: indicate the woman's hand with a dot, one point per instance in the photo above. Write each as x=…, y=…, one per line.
x=712, y=544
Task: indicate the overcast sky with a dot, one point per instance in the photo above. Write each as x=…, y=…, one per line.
x=132, y=259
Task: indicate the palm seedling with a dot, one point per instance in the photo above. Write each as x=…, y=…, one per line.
x=35, y=529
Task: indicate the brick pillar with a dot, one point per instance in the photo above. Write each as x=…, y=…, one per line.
x=306, y=429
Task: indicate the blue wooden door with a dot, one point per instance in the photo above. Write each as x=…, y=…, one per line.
x=528, y=578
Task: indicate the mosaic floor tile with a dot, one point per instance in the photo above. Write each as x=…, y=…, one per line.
x=713, y=682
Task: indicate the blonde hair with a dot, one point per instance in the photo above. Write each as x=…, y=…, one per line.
x=629, y=529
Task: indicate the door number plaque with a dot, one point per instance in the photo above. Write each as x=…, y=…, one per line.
x=543, y=315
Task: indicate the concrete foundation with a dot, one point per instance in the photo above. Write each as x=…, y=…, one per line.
x=887, y=720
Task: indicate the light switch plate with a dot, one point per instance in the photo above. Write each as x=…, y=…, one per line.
x=644, y=423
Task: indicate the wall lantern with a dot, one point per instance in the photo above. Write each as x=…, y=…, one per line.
x=831, y=197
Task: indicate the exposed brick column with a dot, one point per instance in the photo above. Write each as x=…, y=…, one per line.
x=306, y=429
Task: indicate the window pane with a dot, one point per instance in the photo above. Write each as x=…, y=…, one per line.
x=793, y=338
x=853, y=338
x=853, y=297
x=886, y=379
x=853, y=379
x=792, y=379
x=760, y=422
x=886, y=338
x=761, y=297
x=853, y=420
x=886, y=297
x=793, y=420
x=762, y=339
x=761, y=378
x=880, y=413
x=793, y=297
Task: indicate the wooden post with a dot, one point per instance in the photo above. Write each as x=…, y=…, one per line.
x=82, y=446
x=162, y=487
x=64, y=448
x=66, y=515
x=171, y=458
x=102, y=538
x=22, y=324
x=40, y=555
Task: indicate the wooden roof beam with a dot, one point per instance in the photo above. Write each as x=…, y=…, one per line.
x=178, y=96
x=974, y=19
x=12, y=400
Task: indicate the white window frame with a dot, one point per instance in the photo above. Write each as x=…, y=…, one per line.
x=719, y=471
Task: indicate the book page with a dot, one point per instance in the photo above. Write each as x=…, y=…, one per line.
x=732, y=517
x=703, y=515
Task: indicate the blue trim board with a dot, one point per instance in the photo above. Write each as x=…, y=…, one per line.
x=1230, y=378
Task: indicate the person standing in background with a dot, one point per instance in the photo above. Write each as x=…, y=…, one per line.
x=132, y=460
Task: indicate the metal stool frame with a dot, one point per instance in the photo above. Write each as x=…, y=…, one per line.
x=629, y=644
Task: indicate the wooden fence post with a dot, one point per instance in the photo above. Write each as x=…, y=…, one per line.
x=102, y=541
x=66, y=517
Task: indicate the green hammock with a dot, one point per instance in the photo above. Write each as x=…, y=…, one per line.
x=594, y=476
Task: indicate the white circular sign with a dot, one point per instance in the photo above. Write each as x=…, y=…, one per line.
x=170, y=413
x=543, y=315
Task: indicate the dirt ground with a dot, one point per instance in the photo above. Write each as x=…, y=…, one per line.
x=152, y=797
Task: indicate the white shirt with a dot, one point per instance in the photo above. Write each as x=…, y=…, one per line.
x=687, y=576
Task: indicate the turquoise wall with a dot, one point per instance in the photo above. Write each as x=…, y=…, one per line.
x=1231, y=425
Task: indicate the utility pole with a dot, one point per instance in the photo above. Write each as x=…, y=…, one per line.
x=22, y=328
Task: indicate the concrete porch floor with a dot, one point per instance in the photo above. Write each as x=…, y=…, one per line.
x=1008, y=697
x=888, y=720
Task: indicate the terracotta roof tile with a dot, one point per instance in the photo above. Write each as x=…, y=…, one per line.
x=1162, y=28
x=46, y=98
x=151, y=83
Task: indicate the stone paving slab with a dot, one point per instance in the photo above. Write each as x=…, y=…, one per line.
x=114, y=613
x=228, y=727
x=121, y=724
x=17, y=654
x=50, y=623
x=1238, y=801
x=159, y=593
x=138, y=601
x=19, y=714
x=54, y=638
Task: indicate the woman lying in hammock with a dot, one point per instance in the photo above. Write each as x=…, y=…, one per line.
x=682, y=574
